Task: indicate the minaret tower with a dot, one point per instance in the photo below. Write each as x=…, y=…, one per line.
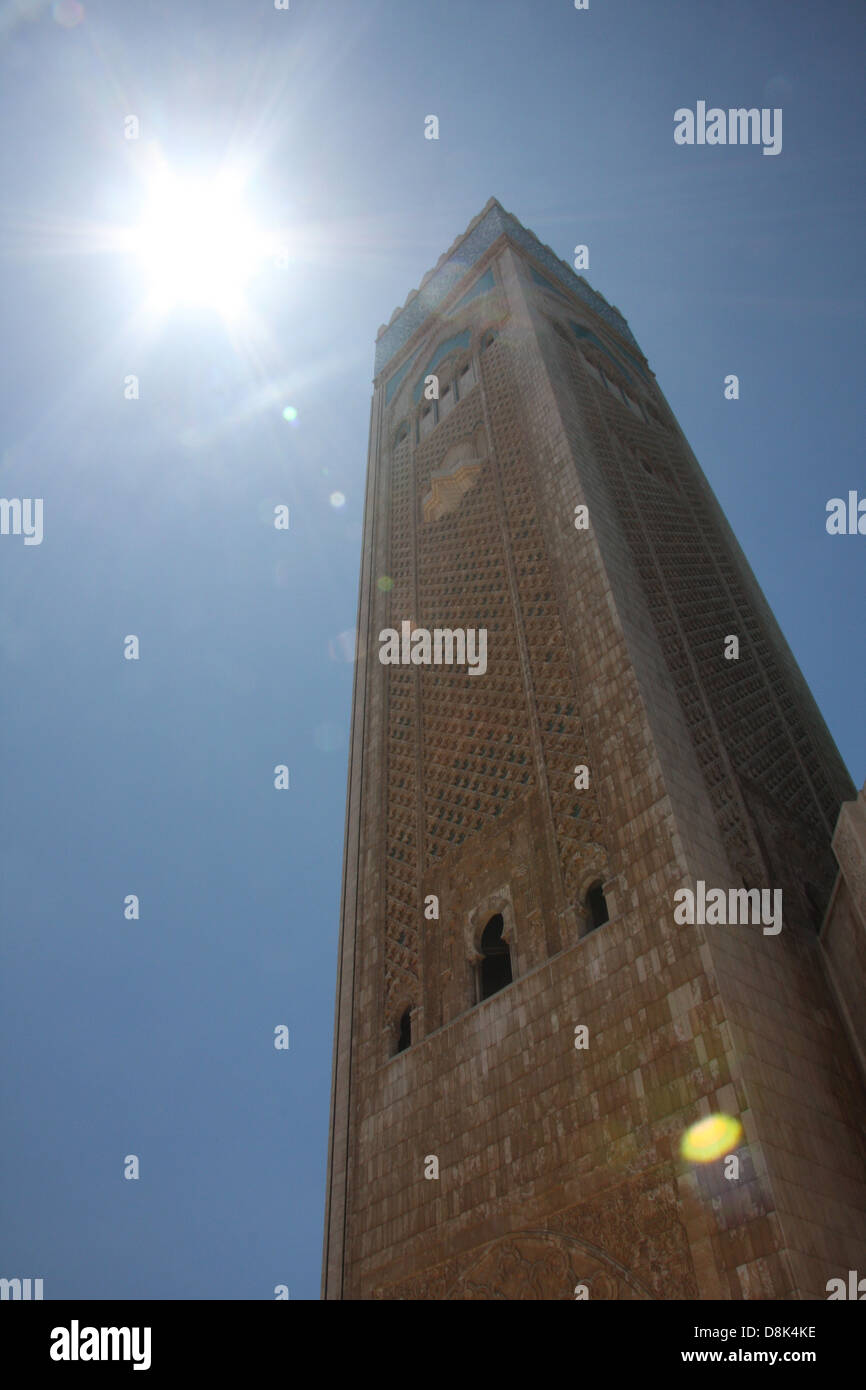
x=524, y=1030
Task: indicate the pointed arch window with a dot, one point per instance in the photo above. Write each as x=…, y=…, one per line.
x=596, y=908
x=404, y=1033
x=495, y=967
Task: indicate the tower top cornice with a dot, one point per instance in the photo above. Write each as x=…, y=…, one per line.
x=485, y=228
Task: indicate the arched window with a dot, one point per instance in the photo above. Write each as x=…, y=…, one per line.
x=404, y=1037
x=495, y=969
x=596, y=908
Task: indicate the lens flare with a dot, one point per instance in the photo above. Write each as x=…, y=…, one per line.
x=67, y=13
x=338, y=499
x=290, y=413
x=710, y=1138
x=384, y=583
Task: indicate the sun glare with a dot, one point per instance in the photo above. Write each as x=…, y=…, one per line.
x=197, y=243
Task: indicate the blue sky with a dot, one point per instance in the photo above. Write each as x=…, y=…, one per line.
x=155, y=777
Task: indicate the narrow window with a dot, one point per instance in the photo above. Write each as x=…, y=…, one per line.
x=404, y=1037
x=596, y=908
x=496, y=958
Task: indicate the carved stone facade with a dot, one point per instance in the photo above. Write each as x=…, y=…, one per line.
x=560, y=1166
x=566, y=1260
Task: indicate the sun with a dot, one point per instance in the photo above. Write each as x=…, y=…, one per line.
x=197, y=244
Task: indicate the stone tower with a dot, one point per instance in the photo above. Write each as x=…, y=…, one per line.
x=518, y=1011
